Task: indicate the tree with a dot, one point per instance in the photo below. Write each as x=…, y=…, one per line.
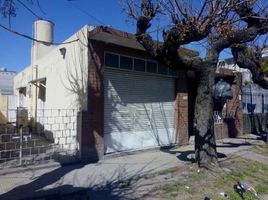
x=221, y=24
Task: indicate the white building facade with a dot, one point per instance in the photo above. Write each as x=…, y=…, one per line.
x=7, y=98
x=53, y=89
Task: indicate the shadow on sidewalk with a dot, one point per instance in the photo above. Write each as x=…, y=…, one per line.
x=233, y=145
x=186, y=156
x=35, y=187
x=51, y=186
x=246, y=142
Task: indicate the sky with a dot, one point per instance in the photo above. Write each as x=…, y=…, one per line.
x=68, y=16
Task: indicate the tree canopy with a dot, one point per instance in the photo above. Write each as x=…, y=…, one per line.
x=222, y=23
x=240, y=25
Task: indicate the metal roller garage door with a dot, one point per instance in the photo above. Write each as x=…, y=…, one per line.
x=138, y=110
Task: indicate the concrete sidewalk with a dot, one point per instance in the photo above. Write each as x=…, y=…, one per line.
x=103, y=175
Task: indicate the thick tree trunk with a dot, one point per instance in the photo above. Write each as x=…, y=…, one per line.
x=205, y=145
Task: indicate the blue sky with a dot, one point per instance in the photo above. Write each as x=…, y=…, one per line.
x=15, y=51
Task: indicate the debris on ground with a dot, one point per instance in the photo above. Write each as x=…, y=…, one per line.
x=243, y=186
x=223, y=194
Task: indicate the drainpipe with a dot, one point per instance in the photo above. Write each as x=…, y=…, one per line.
x=36, y=96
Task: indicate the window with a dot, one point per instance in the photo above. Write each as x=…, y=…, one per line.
x=126, y=62
x=22, y=96
x=151, y=67
x=162, y=69
x=139, y=65
x=42, y=91
x=111, y=60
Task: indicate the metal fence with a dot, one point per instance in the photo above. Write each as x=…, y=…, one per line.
x=49, y=135
x=255, y=109
x=254, y=99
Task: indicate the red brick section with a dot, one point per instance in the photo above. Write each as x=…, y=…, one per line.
x=232, y=125
x=92, y=138
x=234, y=107
x=181, y=109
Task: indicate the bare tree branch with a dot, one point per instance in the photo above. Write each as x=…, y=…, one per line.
x=7, y=8
x=181, y=8
x=246, y=12
x=222, y=23
x=252, y=62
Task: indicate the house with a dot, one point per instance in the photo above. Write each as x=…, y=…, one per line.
x=53, y=89
x=7, y=99
x=99, y=92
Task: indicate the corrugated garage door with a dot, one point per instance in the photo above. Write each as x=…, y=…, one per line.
x=138, y=111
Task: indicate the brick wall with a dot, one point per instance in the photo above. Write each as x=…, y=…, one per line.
x=181, y=109
x=92, y=135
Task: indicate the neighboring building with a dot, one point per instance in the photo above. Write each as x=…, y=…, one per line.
x=229, y=63
x=6, y=81
x=119, y=98
x=7, y=99
x=254, y=98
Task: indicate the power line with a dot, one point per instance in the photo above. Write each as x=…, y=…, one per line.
x=87, y=13
x=39, y=6
x=31, y=38
x=27, y=8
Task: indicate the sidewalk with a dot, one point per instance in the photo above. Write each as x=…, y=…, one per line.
x=101, y=176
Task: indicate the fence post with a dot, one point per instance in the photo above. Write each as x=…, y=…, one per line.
x=262, y=103
x=20, y=144
x=251, y=112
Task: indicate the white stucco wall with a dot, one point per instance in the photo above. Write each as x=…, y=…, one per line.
x=65, y=90
x=66, y=78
